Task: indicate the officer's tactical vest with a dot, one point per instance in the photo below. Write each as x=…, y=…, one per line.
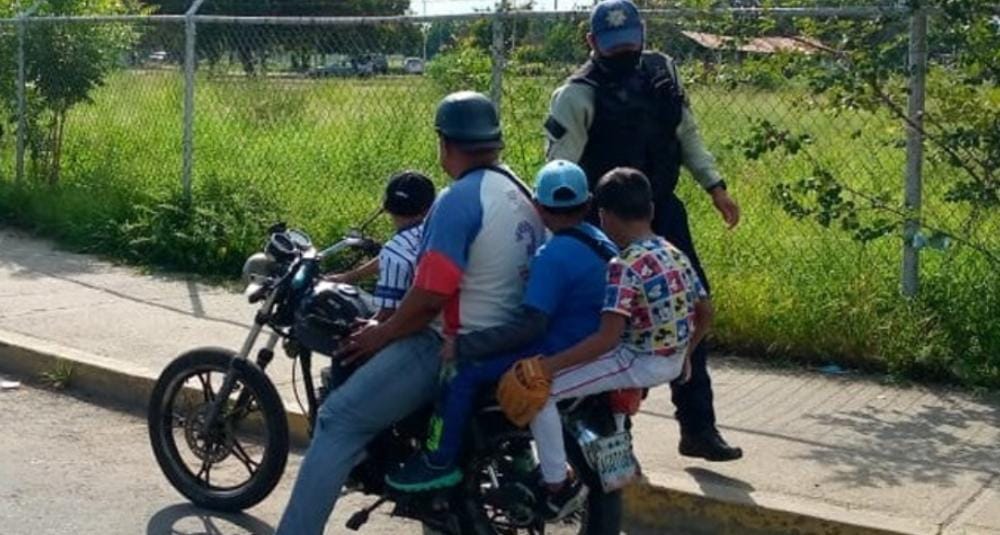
x=635, y=123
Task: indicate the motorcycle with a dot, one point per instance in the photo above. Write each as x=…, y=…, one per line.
x=220, y=434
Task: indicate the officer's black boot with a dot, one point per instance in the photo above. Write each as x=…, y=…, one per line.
x=708, y=445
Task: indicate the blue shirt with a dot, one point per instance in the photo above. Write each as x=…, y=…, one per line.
x=567, y=282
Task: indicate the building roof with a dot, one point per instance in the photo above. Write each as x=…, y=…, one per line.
x=757, y=45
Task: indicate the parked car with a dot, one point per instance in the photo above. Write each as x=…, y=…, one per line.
x=379, y=63
x=345, y=67
x=363, y=66
x=413, y=66
x=159, y=55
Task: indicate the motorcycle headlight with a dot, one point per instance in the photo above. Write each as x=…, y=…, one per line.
x=257, y=269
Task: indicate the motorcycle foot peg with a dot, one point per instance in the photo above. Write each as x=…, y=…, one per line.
x=357, y=520
x=361, y=517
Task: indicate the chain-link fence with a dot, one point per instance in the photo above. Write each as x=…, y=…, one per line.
x=806, y=111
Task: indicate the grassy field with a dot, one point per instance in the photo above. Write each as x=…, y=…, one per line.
x=316, y=153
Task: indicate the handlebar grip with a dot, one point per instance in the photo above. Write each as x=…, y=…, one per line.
x=371, y=247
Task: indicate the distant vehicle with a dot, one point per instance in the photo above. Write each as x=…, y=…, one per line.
x=413, y=66
x=159, y=55
x=363, y=66
x=379, y=63
x=352, y=67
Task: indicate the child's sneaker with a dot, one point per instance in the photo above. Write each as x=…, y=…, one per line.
x=419, y=475
x=566, y=501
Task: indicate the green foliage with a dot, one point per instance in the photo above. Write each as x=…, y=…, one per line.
x=462, y=66
x=60, y=376
x=212, y=234
x=64, y=64
x=565, y=42
x=868, y=70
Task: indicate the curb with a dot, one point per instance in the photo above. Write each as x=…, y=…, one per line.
x=671, y=504
x=658, y=504
x=102, y=378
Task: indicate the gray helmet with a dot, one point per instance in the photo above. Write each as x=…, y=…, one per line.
x=470, y=120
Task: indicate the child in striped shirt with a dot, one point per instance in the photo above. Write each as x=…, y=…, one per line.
x=408, y=197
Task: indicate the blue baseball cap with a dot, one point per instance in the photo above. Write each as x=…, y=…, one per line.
x=561, y=184
x=616, y=23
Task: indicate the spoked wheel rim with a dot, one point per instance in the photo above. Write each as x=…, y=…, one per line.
x=227, y=457
x=517, y=521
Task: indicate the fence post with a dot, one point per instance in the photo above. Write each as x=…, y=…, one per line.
x=22, y=105
x=496, y=85
x=22, y=85
x=187, y=160
x=914, y=150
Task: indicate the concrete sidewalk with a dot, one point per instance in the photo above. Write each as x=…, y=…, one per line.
x=823, y=453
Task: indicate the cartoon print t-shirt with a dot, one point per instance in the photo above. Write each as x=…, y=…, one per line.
x=653, y=284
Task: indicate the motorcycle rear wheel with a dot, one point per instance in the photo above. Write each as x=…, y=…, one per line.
x=247, y=448
x=601, y=517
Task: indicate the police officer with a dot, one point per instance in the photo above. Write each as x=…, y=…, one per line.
x=626, y=107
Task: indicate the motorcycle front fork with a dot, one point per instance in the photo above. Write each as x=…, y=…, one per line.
x=264, y=357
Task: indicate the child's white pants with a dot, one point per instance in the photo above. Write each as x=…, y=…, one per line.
x=621, y=368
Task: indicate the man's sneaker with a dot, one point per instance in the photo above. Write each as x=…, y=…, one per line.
x=419, y=475
x=566, y=501
x=708, y=445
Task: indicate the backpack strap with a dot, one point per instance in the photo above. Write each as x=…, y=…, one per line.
x=588, y=240
x=509, y=175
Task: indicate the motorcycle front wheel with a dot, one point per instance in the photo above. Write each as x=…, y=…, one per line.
x=234, y=462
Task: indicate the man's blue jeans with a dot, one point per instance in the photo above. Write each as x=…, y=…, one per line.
x=398, y=380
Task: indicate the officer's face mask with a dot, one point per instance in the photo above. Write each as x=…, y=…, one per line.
x=621, y=64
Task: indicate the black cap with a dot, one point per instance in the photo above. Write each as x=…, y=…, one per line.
x=408, y=194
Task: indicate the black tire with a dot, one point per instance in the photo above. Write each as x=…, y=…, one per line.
x=603, y=515
x=273, y=431
x=604, y=510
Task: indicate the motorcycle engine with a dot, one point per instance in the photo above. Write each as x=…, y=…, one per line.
x=327, y=315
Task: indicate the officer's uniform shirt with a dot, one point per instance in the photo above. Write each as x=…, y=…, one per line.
x=572, y=107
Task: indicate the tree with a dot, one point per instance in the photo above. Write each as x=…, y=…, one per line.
x=64, y=63
x=961, y=126
x=251, y=45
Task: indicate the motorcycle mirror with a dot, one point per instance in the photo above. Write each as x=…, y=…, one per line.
x=300, y=239
x=371, y=219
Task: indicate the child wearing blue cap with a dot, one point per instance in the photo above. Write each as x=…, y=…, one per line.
x=561, y=306
x=655, y=312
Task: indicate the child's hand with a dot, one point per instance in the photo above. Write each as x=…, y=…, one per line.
x=342, y=278
x=685, y=375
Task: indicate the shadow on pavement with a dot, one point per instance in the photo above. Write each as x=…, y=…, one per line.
x=33, y=258
x=186, y=519
x=933, y=444
x=716, y=485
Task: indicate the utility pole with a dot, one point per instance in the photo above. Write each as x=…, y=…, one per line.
x=427, y=30
x=914, y=151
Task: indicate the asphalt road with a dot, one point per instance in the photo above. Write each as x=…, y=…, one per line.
x=71, y=467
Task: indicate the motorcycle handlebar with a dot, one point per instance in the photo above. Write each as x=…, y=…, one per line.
x=369, y=246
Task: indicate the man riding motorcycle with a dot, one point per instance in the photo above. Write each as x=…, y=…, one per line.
x=479, y=236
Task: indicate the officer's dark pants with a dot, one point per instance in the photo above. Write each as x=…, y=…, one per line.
x=693, y=399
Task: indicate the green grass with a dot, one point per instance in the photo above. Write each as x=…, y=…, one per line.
x=317, y=153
